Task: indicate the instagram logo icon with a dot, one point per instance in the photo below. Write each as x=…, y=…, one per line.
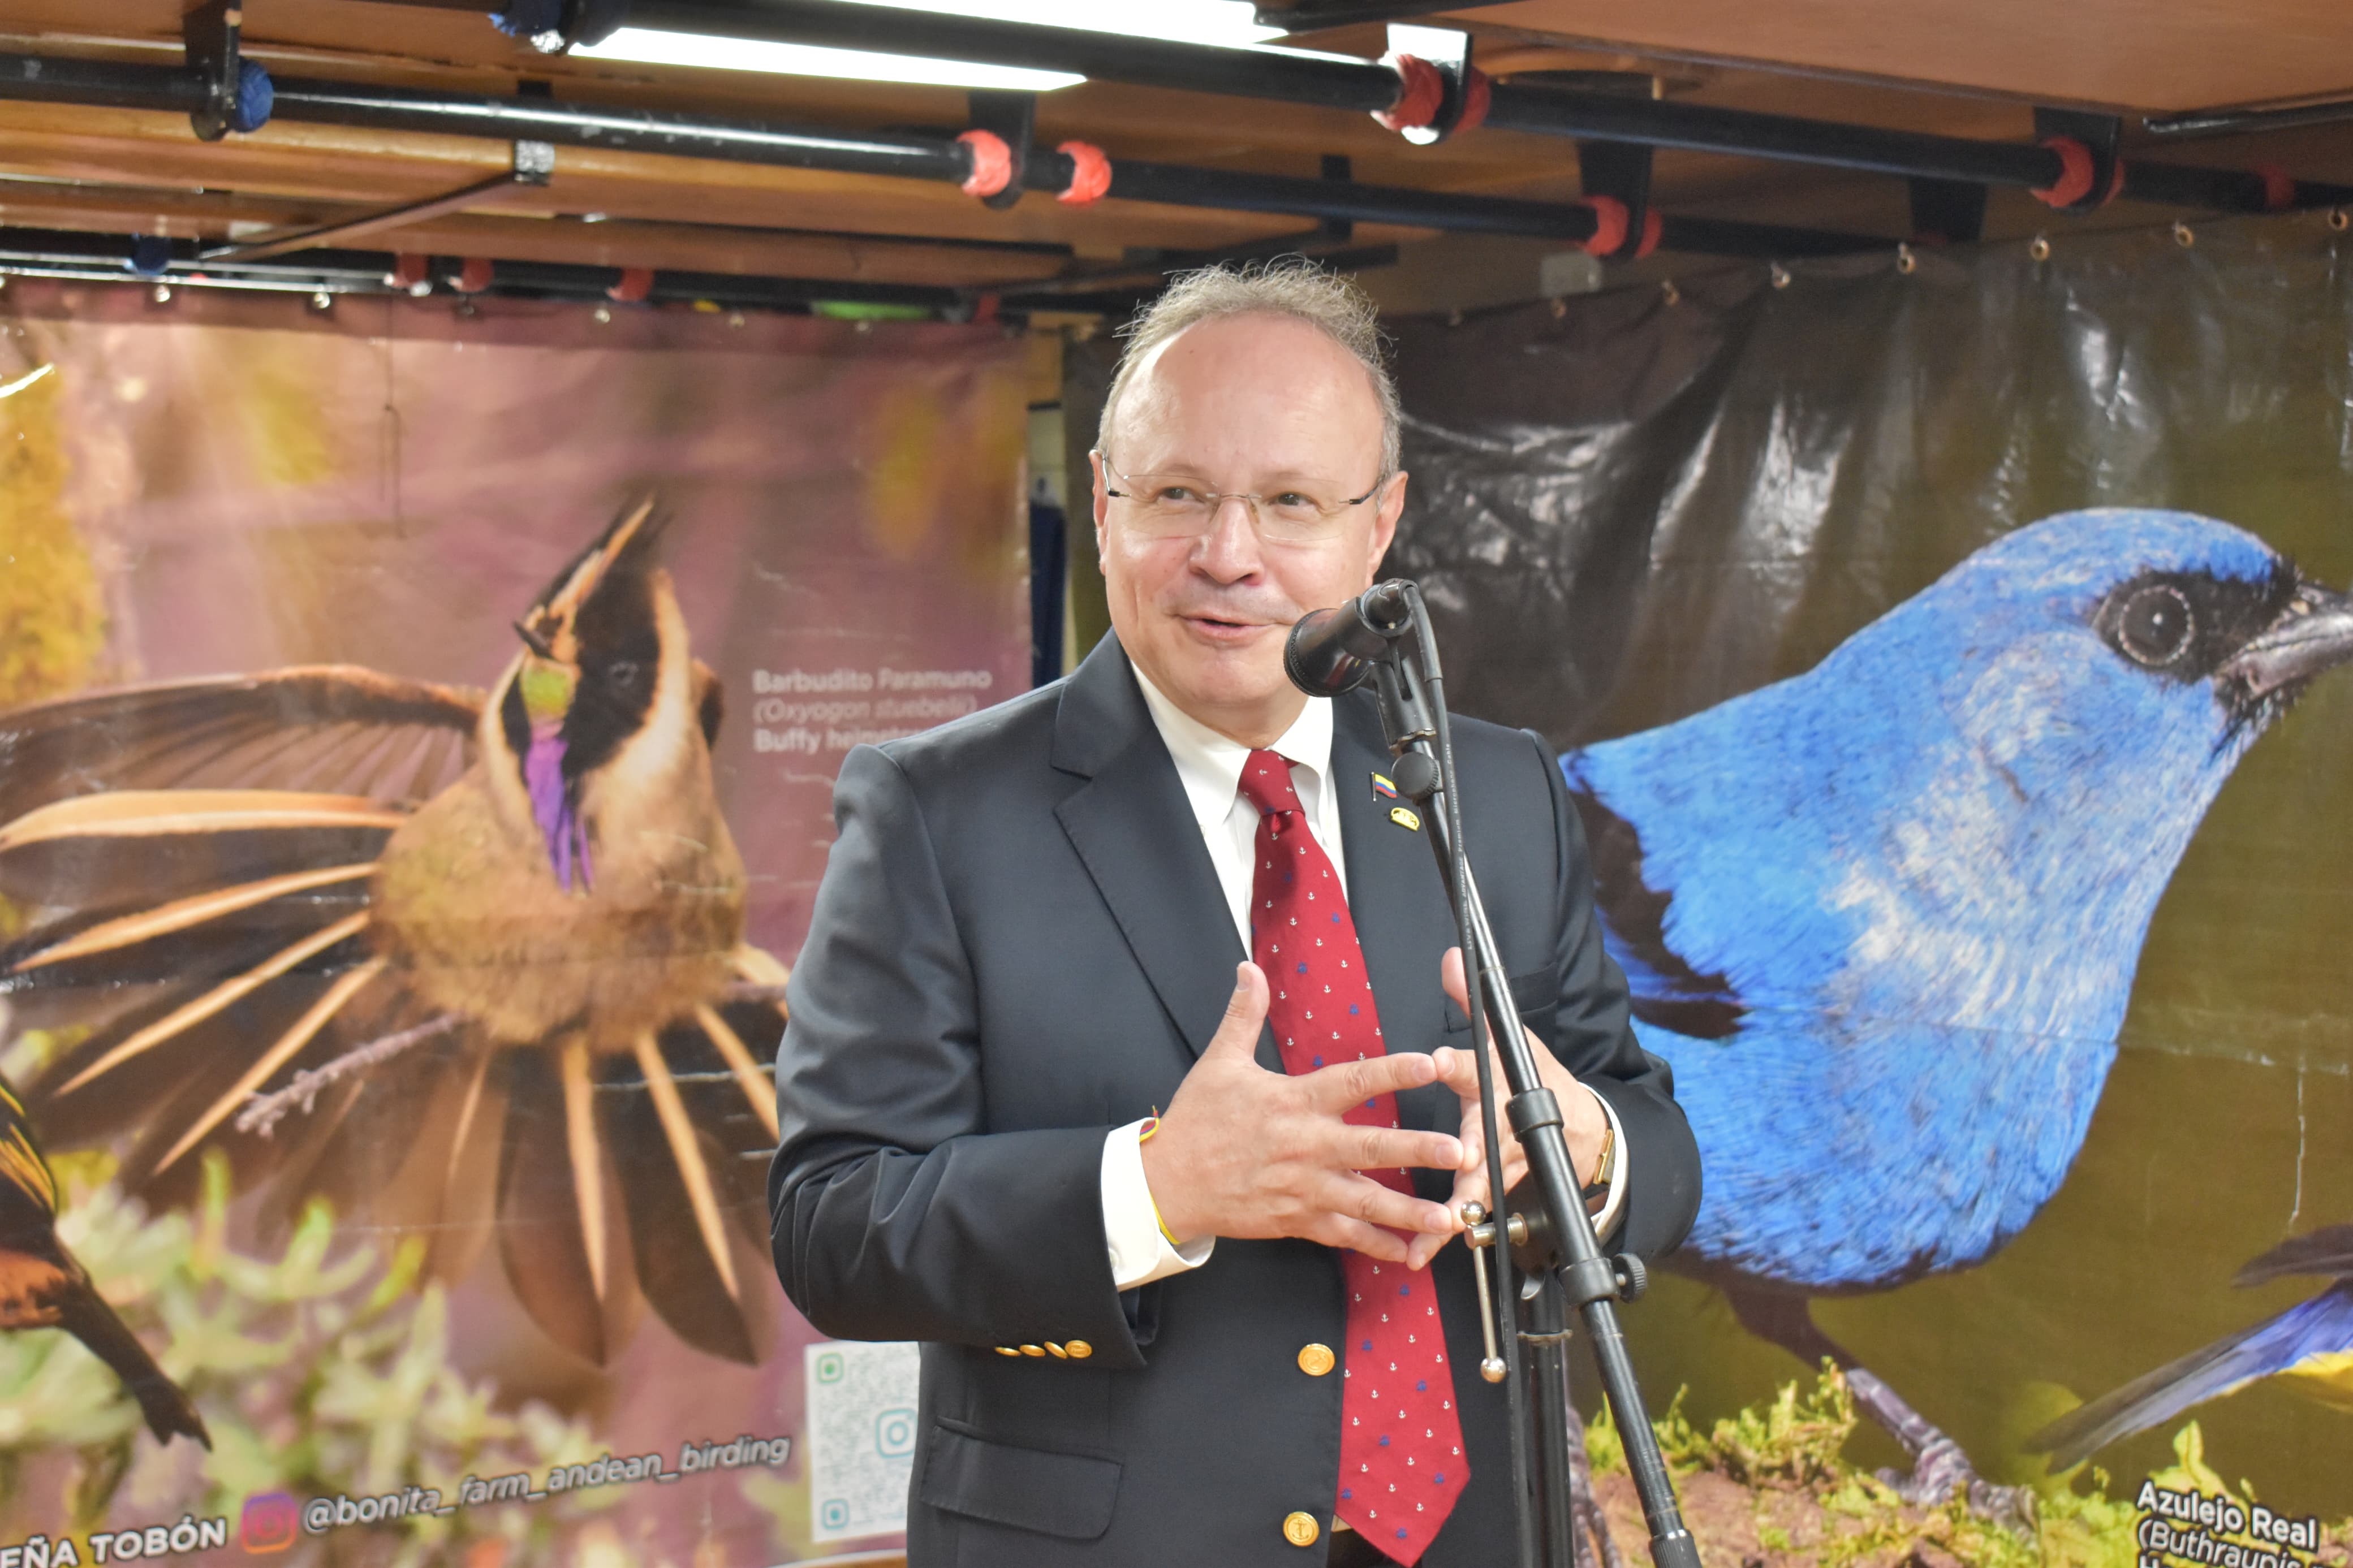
x=268, y=1523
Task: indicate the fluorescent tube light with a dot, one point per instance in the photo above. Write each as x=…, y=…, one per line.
x=1222, y=23
x=645, y=45
x=1226, y=23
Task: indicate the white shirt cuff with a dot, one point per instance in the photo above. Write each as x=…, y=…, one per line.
x=1139, y=1252
x=1613, y=1206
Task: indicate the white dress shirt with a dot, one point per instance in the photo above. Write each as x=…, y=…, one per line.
x=1209, y=766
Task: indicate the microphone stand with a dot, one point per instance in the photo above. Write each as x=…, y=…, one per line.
x=1554, y=1241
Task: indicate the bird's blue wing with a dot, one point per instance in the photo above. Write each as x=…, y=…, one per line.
x=1664, y=988
x=2322, y=1326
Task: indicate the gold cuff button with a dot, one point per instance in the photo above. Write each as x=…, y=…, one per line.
x=1301, y=1528
x=1077, y=1350
x=1033, y=1349
x=1317, y=1360
x=1057, y=1352
x=1007, y=1350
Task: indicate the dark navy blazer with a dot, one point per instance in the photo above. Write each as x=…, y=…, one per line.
x=1019, y=945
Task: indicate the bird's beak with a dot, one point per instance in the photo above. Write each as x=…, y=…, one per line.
x=574, y=588
x=2314, y=633
x=550, y=630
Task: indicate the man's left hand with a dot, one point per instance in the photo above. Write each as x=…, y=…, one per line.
x=1582, y=1116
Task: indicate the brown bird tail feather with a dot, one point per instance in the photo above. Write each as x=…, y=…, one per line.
x=84, y=1315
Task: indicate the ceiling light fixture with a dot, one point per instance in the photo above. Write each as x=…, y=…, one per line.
x=644, y=46
x=1228, y=24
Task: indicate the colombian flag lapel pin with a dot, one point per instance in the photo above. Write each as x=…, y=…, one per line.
x=1383, y=790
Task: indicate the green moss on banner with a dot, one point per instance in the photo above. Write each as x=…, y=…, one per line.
x=52, y=618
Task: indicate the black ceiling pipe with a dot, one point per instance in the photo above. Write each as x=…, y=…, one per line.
x=1332, y=82
x=1448, y=210
x=934, y=158
x=1309, y=15
x=2223, y=189
x=623, y=130
x=1700, y=128
x=102, y=84
x=1236, y=190
x=937, y=158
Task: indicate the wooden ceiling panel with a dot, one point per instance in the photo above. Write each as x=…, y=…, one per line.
x=2152, y=56
x=1966, y=71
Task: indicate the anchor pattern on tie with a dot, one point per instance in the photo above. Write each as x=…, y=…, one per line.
x=1401, y=1464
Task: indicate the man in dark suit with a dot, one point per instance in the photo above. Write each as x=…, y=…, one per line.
x=1041, y=1108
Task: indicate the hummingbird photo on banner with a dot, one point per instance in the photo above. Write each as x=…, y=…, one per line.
x=469, y=964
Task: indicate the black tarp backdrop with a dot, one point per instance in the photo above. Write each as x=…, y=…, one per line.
x=1631, y=507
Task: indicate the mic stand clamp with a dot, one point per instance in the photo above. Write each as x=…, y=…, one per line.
x=1561, y=1256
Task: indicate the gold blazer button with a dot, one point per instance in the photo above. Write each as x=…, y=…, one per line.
x=1077, y=1350
x=1317, y=1360
x=1301, y=1528
x=1033, y=1349
x=1057, y=1352
x=1007, y=1350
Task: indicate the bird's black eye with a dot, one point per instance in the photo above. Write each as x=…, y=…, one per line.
x=2156, y=625
x=622, y=672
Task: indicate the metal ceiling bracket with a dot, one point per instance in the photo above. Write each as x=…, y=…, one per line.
x=1620, y=171
x=533, y=162
x=1336, y=166
x=1013, y=116
x=593, y=21
x=2100, y=134
x=1947, y=212
x=209, y=33
x=552, y=26
x=533, y=165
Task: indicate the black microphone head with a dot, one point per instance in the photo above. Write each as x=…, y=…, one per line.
x=1315, y=655
x=1333, y=652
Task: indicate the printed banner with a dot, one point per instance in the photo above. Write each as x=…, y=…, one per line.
x=1945, y=666
x=417, y=737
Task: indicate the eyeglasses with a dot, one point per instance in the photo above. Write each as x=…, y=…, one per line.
x=1179, y=506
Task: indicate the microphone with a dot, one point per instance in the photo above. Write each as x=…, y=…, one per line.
x=1333, y=652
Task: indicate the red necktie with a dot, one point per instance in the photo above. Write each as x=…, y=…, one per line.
x=1401, y=1464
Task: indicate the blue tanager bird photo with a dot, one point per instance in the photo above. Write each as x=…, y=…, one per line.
x=1882, y=918
x=2311, y=1342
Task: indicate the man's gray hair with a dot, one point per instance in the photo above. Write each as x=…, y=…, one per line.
x=1286, y=286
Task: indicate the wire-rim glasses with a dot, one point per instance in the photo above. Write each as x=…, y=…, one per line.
x=1179, y=506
